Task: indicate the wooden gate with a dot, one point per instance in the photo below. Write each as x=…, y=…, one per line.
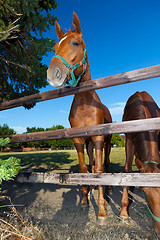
x=119, y=179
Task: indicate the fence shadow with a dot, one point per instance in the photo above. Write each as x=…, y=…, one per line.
x=138, y=212
x=44, y=203
x=43, y=162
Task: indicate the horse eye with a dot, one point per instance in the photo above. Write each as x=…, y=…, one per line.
x=75, y=43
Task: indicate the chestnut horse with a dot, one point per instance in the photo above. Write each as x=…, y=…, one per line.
x=71, y=62
x=144, y=145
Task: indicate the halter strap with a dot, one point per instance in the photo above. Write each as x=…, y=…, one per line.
x=154, y=217
x=71, y=68
x=151, y=162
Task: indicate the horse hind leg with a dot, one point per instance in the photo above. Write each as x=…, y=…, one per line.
x=129, y=148
x=90, y=148
x=107, y=150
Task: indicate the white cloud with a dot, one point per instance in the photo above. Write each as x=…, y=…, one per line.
x=63, y=111
x=19, y=130
x=117, y=108
x=118, y=104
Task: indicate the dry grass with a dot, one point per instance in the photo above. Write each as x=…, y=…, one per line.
x=13, y=226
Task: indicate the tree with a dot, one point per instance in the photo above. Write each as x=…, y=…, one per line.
x=34, y=129
x=22, y=46
x=62, y=143
x=117, y=140
x=5, y=130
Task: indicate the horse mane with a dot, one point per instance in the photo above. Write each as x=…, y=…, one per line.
x=141, y=106
x=69, y=30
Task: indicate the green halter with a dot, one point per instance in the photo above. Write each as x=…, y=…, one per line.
x=71, y=68
x=154, y=217
x=151, y=162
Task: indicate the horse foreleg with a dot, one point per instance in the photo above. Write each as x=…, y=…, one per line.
x=98, y=141
x=79, y=145
x=124, y=203
x=129, y=149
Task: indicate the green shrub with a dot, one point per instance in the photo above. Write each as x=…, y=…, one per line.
x=8, y=167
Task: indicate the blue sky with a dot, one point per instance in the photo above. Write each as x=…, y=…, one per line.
x=120, y=36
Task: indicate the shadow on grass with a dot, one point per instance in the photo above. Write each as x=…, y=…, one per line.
x=113, y=168
x=43, y=162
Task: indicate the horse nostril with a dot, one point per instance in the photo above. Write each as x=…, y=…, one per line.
x=58, y=73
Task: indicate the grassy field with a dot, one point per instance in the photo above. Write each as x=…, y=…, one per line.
x=63, y=160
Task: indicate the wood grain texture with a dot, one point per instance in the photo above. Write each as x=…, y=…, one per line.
x=118, y=79
x=114, y=179
x=102, y=129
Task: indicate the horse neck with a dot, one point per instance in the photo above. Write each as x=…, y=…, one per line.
x=87, y=75
x=82, y=98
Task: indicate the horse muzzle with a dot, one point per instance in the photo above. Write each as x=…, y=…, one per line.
x=57, y=77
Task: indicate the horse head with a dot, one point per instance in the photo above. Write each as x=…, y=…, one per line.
x=69, y=61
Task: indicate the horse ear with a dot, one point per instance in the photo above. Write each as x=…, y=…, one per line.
x=59, y=31
x=76, y=24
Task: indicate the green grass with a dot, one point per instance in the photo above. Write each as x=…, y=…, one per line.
x=62, y=160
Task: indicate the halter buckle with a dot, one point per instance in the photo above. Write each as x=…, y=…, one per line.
x=70, y=68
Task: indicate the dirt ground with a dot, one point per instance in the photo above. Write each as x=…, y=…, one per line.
x=56, y=211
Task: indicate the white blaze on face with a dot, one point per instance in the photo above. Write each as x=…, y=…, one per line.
x=55, y=75
x=62, y=40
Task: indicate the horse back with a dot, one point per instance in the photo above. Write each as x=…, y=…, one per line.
x=142, y=106
x=107, y=115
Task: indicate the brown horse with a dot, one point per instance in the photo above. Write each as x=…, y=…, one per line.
x=144, y=145
x=71, y=62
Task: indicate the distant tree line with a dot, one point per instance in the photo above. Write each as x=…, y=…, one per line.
x=116, y=140
x=53, y=144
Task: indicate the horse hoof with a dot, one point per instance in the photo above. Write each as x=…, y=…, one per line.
x=102, y=221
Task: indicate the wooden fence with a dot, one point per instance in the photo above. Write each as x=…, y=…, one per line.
x=111, y=128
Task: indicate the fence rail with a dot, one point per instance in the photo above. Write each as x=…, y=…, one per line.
x=97, y=130
x=117, y=179
x=114, y=179
x=118, y=79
